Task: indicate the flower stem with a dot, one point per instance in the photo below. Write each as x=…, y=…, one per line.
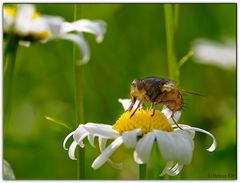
x=176, y=16
x=10, y=53
x=79, y=105
x=169, y=21
x=142, y=171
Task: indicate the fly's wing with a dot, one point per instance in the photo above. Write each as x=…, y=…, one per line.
x=192, y=93
x=169, y=86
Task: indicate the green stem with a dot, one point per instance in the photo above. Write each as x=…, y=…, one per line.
x=176, y=16
x=142, y=171
x=10, y=53
x=79, y=105
x=185, y=58
x=169, y=21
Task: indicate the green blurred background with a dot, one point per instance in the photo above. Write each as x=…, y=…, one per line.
x=134, y=47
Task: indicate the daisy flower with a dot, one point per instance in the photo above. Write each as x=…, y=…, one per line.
x=140, y=132
x=28, y=25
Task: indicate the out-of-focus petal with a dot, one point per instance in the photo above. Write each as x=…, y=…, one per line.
x=8, y=173
x=8, y=18
x=24, y=43
x=23, y=23
x=28, y=25
x=94, y=27
x=54, y=24
x=215, y=53
x=83, y=45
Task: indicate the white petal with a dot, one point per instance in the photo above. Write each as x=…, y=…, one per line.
x=83, y=45
x=39, y=25
x=215, y=53
x=214, y=143
x=95, y=27
x=130, y=137
x=167, y=112
x=8, y=21
x=127, y=102
x=7, y=171
x=101, y=130
x=24, y=43
x=71, y=152
x=66, y=139
x=143, y=148
x=175, y=146
x=167, y=168
x=24, y=18
x=184, y=127
x=54, y=24
x=102, y=143
x=26, y=24
x=80, y=134
x=104, y=156
x=91, y=139
x=175, y=170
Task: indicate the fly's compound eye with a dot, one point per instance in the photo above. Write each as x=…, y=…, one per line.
x=134, y=83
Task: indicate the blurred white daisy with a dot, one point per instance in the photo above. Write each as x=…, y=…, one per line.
x=28, y=25
x=215, y=53
x=140, y=132
x=8, y=173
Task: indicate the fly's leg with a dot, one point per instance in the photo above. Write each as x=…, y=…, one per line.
x=153, y=106
x=132, y=104
x=140, y=103
x=172, y=116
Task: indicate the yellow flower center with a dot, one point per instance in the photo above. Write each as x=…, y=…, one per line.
x=35, y=15
x=10, y=10
x=41, y=35
x=142, y=119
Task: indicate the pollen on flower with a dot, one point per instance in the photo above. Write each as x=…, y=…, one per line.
x=35, y=15
x=41, y=35
x=10, y=10
x=142, y=119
